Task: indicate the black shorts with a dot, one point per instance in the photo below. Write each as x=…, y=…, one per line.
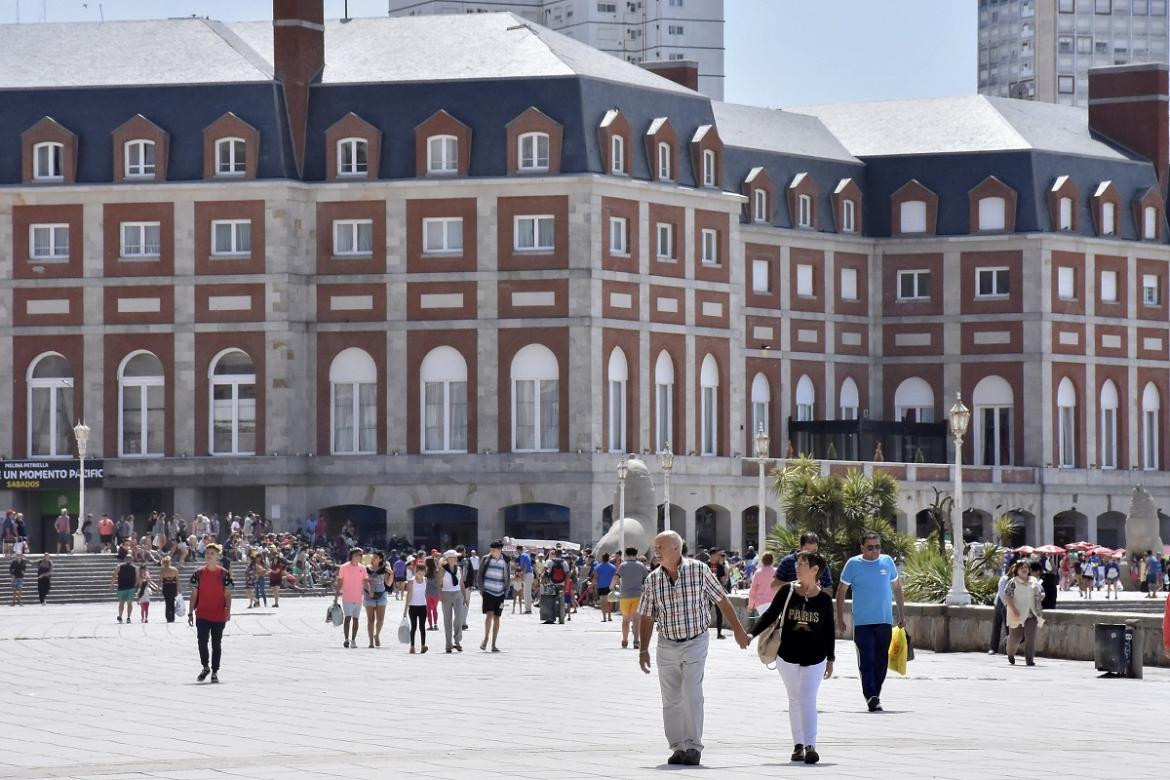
x=107, y=538
x=493, y=605
x=603, y=591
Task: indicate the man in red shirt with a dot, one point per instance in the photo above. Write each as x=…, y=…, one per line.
x=211, y=608
x=106, y=532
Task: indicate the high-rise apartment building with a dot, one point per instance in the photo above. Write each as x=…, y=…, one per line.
x=638, y=31
x=1043, y=49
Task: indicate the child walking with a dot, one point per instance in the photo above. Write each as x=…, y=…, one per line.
x=146, y=587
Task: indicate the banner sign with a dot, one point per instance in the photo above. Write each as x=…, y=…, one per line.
x=44, y=474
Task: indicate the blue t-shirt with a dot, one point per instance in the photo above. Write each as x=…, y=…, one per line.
x=605, y=572
x=525, y=561
x=872, y=593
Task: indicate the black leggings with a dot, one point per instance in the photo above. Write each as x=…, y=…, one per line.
x=43, y=588
x=170, y=589
x=418, y=619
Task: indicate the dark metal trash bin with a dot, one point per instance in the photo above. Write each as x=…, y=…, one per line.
x=1114, y=648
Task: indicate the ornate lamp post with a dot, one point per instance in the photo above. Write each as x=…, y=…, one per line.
x=761, y=446
x=959, y=417
x=81, y=433
x=666, y=461
x=623, y=469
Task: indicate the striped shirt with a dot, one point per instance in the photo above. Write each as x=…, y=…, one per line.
x=682, y=608
x=495, y=574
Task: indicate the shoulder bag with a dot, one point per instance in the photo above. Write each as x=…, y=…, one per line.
x=768, y=646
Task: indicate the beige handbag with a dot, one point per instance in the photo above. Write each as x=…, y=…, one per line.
x=768, y=645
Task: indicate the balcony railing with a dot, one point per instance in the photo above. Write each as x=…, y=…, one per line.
x=860, y=440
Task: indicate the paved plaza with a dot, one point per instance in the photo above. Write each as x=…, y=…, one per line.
x=85, y=697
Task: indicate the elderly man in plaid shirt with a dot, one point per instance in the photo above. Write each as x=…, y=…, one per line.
x=678, y=596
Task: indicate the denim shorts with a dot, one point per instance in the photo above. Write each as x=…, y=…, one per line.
x=351, y=609
x=380, y=600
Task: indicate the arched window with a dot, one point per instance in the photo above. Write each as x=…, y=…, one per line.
x=50, y=407
x=914, y=401
x=352, y=157
x=708, y=168
x=1108, y=431
x=536, y=406
x=617, y=154
x=806, y=394
x=1066, y=423
x=849, y=399
x=912, y=216
x=663, y=401
x=233, y=403
x=992, y=213
x=139, y=159
x=442, y=154
x=761, y=403
x=664, y=172
x=619, y=375
x=533, y=151
x=48, y=159
x=443, y=375
x=353, y=388
x=709, y=406
x=1151, y=408
x=993, y=399
x=230, y=159
x=141, y=406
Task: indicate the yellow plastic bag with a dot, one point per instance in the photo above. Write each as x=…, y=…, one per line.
x=898, y=650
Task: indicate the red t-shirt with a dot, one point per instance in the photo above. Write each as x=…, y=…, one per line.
x=106, y=527
x=212, y=601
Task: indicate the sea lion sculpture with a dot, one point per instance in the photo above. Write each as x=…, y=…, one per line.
x=641, y=518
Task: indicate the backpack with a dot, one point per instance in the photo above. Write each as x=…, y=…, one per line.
x=556, y=572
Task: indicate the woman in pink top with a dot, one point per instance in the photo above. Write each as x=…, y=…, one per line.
x=761, y=592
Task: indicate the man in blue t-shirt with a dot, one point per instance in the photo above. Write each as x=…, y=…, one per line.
x=524, y=564
x=873, y=578
x=603, y=580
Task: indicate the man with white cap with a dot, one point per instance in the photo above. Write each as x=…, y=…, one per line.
x=453, y=594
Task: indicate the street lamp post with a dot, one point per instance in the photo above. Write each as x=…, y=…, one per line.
x=959, y=417
x=623, y=469
x=761, y=446
x=81, y=433
x=666, y=461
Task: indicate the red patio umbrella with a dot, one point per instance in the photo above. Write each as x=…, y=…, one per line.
x=1104, y=552
x=1080, y=546
x=1024, y=550
x=1050, y=549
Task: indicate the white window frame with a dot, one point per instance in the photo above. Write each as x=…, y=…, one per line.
x=448, y=377
x=1066, y=283
x=142, y=169
x=227, y=162
x=664, y=167
x=1111, y=286
x=992, y=213
x=235, y=381
x=235, y=224
x=1151, y=289
x=617, y=155
x=439, y=162
x=1065, y=213
x=54, y=161
x=708, y=168
x=663, y=401
x=1066, y=425
x=761, y=401
x=998, y=433
x=530, y=160
x=618, y=371
x=354, y=228
x=141, y=228
x=538, y=412
x=804, y=211
x=665, y=239
x=848, y=216
x=709, y=412
x=1150, y=223
x=849, y=290
x=54, y=386
x=998, y=273
x=761, y=276
x=1107, y=435
x=710, y=248
x=536, y=220
x=140, y=385
x=917, y=274
x=915, y=210
x=1108, y=218
x=355, y=167
x=354, y=446
x=57, y=252
x=1151, y=406
x=619, y=236
x=805, y=287
x=760, y=206
x=447, y=248
x=805, y=399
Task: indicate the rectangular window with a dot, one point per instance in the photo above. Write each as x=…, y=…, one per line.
x=231, y=237
x=140, y=240
x=533, y=234
x=664, y=161
x=665, y=241
x=617, y=153
x=1064, y=44
x=913, y=285
x=1066, y=85
x=1066, y=435
x=534, y=152
x=1149, y=222
x=760, y=205
x=709, y=426
x=607, y=8
x=1108, y=219
x=1150, y=289
x=617, y=416
x=1150, y=439
x=139, y=159
x=760, y=276
x=804, y=281
x=442, y=235
x=849, y=284
x=664, y=412
x=1108, y=291
x=912, y=216
x=47, y=161
x=1066, y=278
x=708, y=168
x=991, y=282
x=1108, y=438
x=1068, y=6
x=1103, y=7
x=48, y=242
x=804, y=207
x=710, y=247
x=848, y=217
x=442, y=154
x=1066, y=214
x=619, y=241
x=353, y=237
x=230, y=158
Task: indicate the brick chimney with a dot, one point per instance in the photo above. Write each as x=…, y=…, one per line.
x=298, y=44
x=1130, y=106
x=685, y=72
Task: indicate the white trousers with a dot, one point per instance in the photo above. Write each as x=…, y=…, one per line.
x=680, y=677
x=527, y=600
x=802, y=684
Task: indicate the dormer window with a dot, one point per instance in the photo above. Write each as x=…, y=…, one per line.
x=804, y=205
x=1150, y=223
x=140, y=159
x=352, y=157
x=229, y=157
x=1108, y=219
x=708, y=168
x=913, y=216
x=760, y=205
x=534, y=152
x=992, y=213
x=617, y=155
x=442, y=154
x=848, y=216
x=1066, y=214
x=664, y=172
x=47, y=165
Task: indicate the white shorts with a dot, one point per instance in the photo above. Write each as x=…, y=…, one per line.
x=351, y=609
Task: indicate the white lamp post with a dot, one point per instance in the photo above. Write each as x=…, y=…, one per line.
x=959, y=417
x=666, y=461
x=81, y=433
x=623, y=469
x=761, y=447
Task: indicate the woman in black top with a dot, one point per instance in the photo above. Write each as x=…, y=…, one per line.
x=806, y=648
x=44, y=577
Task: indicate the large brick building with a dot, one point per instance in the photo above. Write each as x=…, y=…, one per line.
x=432, y=273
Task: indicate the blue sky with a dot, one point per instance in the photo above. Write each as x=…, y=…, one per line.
x=779, y=52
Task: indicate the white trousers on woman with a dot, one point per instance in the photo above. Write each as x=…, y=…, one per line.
x=802, y=684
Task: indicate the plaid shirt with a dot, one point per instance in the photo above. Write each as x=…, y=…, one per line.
x=682, y=609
